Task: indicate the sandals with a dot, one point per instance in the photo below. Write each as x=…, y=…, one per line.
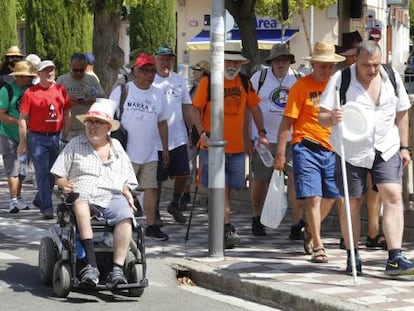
x=377, y=242
x=307, y=241
x=319, y=255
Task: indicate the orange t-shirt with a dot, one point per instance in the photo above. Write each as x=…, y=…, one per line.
x=235, y=102
x=303, y=107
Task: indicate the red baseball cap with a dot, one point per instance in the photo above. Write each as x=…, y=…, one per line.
x=144, y=59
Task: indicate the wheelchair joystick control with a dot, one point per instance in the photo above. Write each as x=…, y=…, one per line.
x=80, y=250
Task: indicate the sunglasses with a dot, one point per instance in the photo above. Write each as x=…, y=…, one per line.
x=147, y=70
x=78, y=70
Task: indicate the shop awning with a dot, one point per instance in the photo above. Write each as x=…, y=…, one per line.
x=265, y=38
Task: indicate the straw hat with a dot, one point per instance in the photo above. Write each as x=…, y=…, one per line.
x=280, y=49
x=325, y=53
x=23, y=68
x=14, y=51
x=202, y=65
x=232, y=51
x=102, y=109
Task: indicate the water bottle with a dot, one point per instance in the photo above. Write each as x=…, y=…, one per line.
x=80, y=250
x=265, y=155
x=23, y=165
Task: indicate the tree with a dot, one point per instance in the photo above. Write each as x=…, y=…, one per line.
x=54, y=34
x=8, y=30
x=152, y=23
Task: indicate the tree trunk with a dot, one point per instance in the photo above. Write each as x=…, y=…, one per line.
x=243, y=14
x=108, y=54
x=305, y=26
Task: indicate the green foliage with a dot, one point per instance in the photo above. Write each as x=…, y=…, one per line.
x=8, y=29
x=53, y=33
x=152, y=23
x=273, y=7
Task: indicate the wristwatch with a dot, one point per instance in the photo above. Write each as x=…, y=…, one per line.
x=262, y=131
x=405, y=148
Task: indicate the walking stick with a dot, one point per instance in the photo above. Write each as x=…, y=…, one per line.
x=346, y=196
x=197, y=184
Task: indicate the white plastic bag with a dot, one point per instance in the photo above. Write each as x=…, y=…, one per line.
x=274, y=207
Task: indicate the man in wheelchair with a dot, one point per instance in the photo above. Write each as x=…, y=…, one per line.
x=97, y=167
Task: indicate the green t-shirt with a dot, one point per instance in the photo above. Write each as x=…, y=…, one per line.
x=6, y=129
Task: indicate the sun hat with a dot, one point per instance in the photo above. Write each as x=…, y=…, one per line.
x=350, y=41
x=355, y=124
x=202, y=65
x=325, y=53
x=279, y=49
x=102, y=109
x=44, y=64
x=23, y=68
x=232, y=51
x=164, y=50
x=14, y=51
x=34, y=60
x=144, y=59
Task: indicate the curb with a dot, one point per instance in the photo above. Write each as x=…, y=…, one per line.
x=278, y=295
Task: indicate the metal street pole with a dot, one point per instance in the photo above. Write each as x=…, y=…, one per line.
x=216, y=179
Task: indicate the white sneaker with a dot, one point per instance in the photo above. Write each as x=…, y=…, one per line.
x=13, y=206
x=21, y=205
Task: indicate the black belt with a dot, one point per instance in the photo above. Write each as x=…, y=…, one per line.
x=45, y=133
x=313, y=145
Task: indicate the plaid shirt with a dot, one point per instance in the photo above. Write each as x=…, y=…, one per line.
x=96, y=181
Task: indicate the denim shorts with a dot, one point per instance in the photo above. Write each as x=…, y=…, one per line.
x=117, y=211
x=178, y=166
x=314, y=171
x=234, y=165
x=382, y=172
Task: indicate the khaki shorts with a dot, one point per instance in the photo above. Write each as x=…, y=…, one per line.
x=260, y=172
x=146, y=174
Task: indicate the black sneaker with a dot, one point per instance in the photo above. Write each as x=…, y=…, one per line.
x=184, y=201
x=154, y=232
x=89, y=276
x=296, y=231
x=174, y=210
x=399, y=266
x=116, y=277
x=231, y=238
x=358, y=265
x=257, y=227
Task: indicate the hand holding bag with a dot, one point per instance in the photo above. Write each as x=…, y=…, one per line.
x=275, y=205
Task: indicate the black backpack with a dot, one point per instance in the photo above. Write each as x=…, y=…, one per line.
x=263, y=74
x=346, y=79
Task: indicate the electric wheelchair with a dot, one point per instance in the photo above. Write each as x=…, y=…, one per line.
x=61, y=256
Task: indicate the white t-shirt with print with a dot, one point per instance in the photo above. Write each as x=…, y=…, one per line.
x=143, y=109
x=273, y=94
x=176, y=92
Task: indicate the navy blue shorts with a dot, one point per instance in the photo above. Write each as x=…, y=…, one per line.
x=178, y=167
x=382, y=172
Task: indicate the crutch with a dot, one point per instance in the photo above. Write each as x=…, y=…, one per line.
x=346, y=195
x=197, y=185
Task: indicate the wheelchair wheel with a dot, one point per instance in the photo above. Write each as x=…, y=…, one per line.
x=61, y=279
x=134, y=274
x=47, y=260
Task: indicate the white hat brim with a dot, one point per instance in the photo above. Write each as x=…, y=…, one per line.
x=114, y=123
x=355, y=124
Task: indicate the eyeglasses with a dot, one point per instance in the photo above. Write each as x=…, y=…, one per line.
x=95, y=122
x=78, y=70
x=147, y=70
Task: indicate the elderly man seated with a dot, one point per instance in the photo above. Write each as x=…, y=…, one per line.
x=97, y=167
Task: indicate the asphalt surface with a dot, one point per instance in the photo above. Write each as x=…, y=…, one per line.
x=270, y=270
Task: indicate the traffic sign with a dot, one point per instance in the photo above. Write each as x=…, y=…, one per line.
x=375, y=34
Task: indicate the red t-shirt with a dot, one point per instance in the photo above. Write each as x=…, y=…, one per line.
x=45, y=107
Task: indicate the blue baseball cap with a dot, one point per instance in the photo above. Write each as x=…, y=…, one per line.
x=90, y=58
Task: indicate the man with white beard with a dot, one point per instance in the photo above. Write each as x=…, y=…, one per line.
x=238, y=95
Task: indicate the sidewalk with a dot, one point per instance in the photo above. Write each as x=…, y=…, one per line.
x=271, y=270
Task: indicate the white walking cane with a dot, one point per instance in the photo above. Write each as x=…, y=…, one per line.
x=346, y=194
